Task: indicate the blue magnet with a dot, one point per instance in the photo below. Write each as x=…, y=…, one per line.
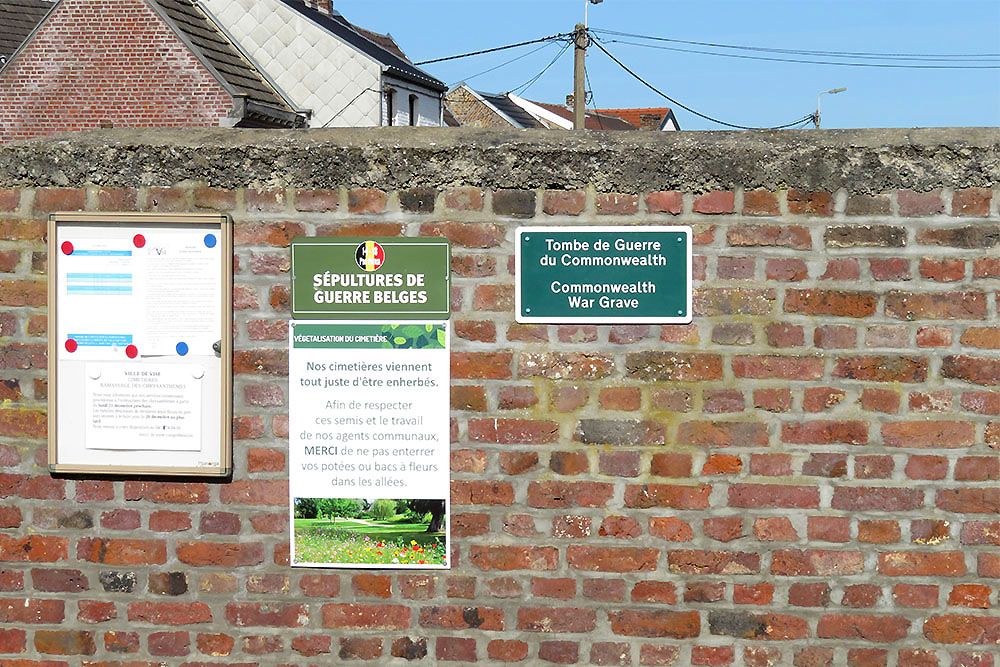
x=182, y=348
x=210, y=240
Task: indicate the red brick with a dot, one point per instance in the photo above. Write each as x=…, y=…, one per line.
x=673, y=624
x=861, y=595
x=920, y=563
x=515, y=463
x=926, y=467
x=758, y=594
x=654, y=591
x=801, y=202
x=169, y=613
x=561, y=589
x=829, y=529
x=507, y=650
x=65, y=642
x=712, y=562
x=977, y=468
x=928, y=434
x=556, y=619
x=668, y=495
x=778, y=367
x=715, y=202
x=816, y=563
x=669, y=528
x=965, y=305
x=723, y=434
x=982, y=337
x=722, y=464
x=969, y=500
x=796, y=237
x=473, y=266
x=611, y=559
x=772, y=400
x=481, y=492
x=498, y=557
x=869, y=628
x=825, y=431
x=760, y=202
x=962, y=629
x=122, y=551
x=220, y=554
x=32, y=611
x=169, y=521
x=775, y=529
x=669, y=201
x=971, y=202
x=970, y=595
x=617, y=204
x=809, y=595
x=365, y=616
x=559, y=652
x=944, y=270
x=709, y=302
x=914, y=204
x=773, y=495
x=878, y=532
x=467, y=234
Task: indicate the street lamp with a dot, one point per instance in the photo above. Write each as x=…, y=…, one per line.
x=586, y=6
x=825, y=92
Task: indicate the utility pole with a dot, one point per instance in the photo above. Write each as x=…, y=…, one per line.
x=579, y=75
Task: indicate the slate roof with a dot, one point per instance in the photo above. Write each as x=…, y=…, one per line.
x=394, y=64
x=591, y=120
x=522, y=118
x=218, y=52
x=17, y=19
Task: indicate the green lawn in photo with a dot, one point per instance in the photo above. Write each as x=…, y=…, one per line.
x=352, y=541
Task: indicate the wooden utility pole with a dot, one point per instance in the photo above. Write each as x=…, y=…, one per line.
x=579, y=76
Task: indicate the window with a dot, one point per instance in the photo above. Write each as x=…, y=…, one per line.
x=413, y=110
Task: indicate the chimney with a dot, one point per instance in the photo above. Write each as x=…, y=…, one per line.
x=569, y=100
x=322, y=6
x=649, y=121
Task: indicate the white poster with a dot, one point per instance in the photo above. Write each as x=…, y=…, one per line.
x=369, y=444
x=143, y=406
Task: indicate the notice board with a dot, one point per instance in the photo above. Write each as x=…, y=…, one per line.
x=140, y=344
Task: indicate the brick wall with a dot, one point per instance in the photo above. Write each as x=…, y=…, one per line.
x=807, y=474
x=87, y=66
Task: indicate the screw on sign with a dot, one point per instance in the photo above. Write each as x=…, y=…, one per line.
x=369, y=256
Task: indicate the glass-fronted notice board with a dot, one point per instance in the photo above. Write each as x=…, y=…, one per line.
x=140, y=344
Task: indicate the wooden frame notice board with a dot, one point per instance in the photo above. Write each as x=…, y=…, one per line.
x=140, y=344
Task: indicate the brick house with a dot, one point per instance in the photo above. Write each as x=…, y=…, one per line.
x=485, y=110
x=82, y=64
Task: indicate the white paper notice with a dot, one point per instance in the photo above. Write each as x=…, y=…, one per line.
x=181, y=295
x=154, y=293
x=369, y=444
x=143, y=407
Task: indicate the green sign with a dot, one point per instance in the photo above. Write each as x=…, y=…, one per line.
x=603, y=274
x=370, y=278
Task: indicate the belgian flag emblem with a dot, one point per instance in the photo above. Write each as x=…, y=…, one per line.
x=369, y=256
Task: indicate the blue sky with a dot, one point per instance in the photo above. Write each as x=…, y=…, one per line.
x=739, y=91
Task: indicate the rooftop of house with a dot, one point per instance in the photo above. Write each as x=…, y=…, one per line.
x=381, y=48
x=17, y=19
x=637, y=117
x=593, y=120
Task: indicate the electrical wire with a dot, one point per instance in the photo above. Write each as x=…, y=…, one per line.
x=742, y=56
x=600, y=120
x=561, y=35
x=527, y=84
x=798, y=121
x=345, y=107
x=503, y=64
x=834, y=54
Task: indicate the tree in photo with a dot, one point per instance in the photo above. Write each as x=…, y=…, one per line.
x=343, y=508
x=423, y=506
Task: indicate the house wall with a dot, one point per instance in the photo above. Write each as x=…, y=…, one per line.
x=312, y=67
x=428, y=106
x=87, y=65
x=806, y=474
x=471, y=112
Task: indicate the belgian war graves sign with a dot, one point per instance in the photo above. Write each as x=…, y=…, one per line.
x=369, y=434
x=392, y=278
x=603, y=274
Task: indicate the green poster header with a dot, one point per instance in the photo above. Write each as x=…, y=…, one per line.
x=603, y=274
x=369, y=336
x=364, y=278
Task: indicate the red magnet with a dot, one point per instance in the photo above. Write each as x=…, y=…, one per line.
x=131, y=351
x=139, y=240
x=67, y=248
x=70, y=345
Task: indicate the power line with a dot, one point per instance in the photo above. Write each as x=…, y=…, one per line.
x=561, y=35
x=527, y=84
x=503, y=64
x=835, y=54
x=689, y=109
x=742, y=56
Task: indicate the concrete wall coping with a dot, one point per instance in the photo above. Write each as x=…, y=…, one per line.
x=860, y=161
